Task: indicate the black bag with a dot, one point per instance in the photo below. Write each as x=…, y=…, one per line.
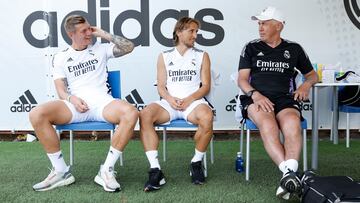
x=349, y=95
x=330, y=189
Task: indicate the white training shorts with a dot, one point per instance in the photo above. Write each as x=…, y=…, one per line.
x=95, y=112
x=176, y=114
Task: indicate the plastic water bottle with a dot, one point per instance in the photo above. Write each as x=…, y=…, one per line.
x=239, y=163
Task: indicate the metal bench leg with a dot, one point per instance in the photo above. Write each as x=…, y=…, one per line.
x=247, y=167
x=242, y=137
x=205, y=165
x=347, y=130
x=212, y=150
x=164, y=144
x=304, y=150
x=71, y=148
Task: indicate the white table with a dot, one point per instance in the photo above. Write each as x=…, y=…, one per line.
x=315, y=117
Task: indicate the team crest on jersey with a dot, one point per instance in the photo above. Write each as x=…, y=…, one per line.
x=286, y=54
x=90, y=52
x=193, y=62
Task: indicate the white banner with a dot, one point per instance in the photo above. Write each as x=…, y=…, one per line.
x=32, y=32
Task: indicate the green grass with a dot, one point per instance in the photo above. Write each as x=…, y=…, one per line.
x=24, y=164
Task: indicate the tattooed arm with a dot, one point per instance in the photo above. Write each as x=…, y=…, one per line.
x=122, y=46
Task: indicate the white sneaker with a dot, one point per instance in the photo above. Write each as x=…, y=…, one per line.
x=106, y=178
x=282, y=193
x=55, y=179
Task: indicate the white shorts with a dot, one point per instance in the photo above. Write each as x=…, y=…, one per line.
x=176, y=114
x=95, y=112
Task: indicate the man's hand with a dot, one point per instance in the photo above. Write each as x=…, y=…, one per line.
x=262, y=103
x=302, y=93
x=184, y=103
x=174, y=102
x=80, y=105
x=97, y=32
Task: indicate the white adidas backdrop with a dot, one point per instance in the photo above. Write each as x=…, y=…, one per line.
x=32, y=32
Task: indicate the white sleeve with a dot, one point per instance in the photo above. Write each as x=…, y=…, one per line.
x=109, y=49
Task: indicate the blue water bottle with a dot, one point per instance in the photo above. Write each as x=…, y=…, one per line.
x=239, y=163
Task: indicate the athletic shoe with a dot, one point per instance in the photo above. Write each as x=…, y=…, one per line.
x=55, y=179
x=197, y=173
x=106, y=178
x=291, y=182
x=282, y=193
x=307, y=174
x=349, y=76
x=156, y=179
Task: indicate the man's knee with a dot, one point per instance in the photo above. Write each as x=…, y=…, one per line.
x=37, y=115
x=145, y=116
x=132, y=113
x=206, y=120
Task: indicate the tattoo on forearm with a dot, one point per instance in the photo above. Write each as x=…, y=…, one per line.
x=66, y=84
x=122, y=45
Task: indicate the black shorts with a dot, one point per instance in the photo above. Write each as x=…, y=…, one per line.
x=280, y=102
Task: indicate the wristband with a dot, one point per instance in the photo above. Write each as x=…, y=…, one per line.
x=68, y=98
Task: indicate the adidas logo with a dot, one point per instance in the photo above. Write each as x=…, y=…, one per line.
x=232, y=104
x=305, y=106
x=171, y=63
x=135, y=99
x=70, y=59
x=260, y=54
x=25, y=103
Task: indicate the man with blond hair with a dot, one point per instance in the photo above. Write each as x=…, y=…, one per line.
x=80, y=77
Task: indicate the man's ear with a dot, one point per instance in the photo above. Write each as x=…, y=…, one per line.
x=70, y=34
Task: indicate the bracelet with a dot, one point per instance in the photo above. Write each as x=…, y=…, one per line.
x=68, y=98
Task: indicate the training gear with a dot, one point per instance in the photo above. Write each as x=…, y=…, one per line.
x=55, y=179
x=329, y=189
x=106, y=178
x=291, y=182
x=156, y=179
x=197, y=173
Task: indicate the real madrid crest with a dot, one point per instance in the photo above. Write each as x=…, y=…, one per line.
x=287, y=54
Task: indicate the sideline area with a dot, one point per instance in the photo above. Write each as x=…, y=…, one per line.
x=23, y=164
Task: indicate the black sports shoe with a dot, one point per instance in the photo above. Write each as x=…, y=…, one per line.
x=306, y=175
x=156, y=179
x=197, y=173
x=291, y=182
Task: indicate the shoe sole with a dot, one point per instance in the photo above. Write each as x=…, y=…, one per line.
x=282, y=193
x=152, y=188
x=101, y=182
x=65, y=182
x=196, y=182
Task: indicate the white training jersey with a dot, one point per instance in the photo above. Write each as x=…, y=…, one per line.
x=85, y=70
x=183, y=72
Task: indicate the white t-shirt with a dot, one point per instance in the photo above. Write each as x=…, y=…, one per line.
x=84, y=70
x=183, y=72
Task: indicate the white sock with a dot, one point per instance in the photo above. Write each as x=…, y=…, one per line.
x=198, y=156
x=57, y=161
x=282, y=167
x=292, y=164
x=112, y=156
x=152, y=156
